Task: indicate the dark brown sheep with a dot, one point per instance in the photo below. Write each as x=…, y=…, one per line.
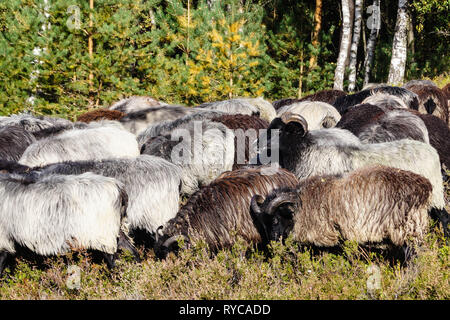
x=432, y=100
x=101, y=114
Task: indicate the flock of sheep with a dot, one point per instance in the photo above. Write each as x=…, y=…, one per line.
x=367, y=167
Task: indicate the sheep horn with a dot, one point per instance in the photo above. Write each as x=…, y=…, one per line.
x=275, y=203
x=174, y=239
x=256, y=202
x=293, y=117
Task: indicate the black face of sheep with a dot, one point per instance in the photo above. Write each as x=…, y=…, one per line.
x=165, y=244
x=274, y=217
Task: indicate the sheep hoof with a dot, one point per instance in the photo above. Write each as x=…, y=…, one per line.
x=110, y=260
x=3, y=257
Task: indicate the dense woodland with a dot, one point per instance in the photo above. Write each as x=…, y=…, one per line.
x=66, y=56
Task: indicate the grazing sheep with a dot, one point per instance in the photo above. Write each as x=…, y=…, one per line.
x=373, y=125
x=136, y=122
x=14, y=139
x=345, y=102
x=232, y=106
x=246, y=130
x=167, y=127
x=432, y=100
x=374, y=205
x=220, y=211
x=327, y=96
x=336, y=151
x=135, y=103
x=81, y=144
x=418, y=82
x=385, y=101
x=49, y=216
x=206, y=150
x=34, y=123
x=318, y=114
x=266, y=110
x=152, y=185
x=101, y=114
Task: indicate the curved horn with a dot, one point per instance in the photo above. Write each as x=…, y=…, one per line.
x=278, y=201
x=293, y=117
x=174, y=239
x=256, y=202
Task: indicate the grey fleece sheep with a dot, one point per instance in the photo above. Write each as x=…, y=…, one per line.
x=206, y=150
x=33, y=123
x=220, y=211
x=373, y=205
x=337, y=151
x=135, y=103
x=49, y=216
x=81, y=144
x=152, y=185
x=14, y=139
x=232, y=106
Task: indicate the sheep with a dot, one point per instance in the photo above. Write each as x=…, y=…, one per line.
x=418, y=82
x=81, y=144
x=206, y=150
x=32, y=123
x=232, y=106
x=167, y=127
x=385, y=101
x=336, y=151
x=446, y=90
x=373, y=125
x=432, y=100
x=266, y=110
x=244, y=126
x=135, y=103
x=14, y=139
x=410, y=98
x=136, y=122
x=7, y=166
x=51, y=215
x=100, y=114
x=317, y=114
x=373, y=85
x=375, y=205
x=327, y=96
x=221, y=210
x=152, y=185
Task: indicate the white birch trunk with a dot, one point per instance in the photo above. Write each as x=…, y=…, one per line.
x=344, y=47
x=399, y=45
x=374, y=24
x=354, y=46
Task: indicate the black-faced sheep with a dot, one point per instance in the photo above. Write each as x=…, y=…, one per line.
x=410, y=98
x=373, y=205
x=205, y=151
x=81, y=144
x=152, y=185
x=49, y=216
x=14, y=139
x=336, y=151
x=220, y=211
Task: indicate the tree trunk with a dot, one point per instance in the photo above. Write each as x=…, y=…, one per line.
x=354, y=46
x=91, y=55
x=374, y=24
x=344, y=47
x=399, y=45
x=315, y=35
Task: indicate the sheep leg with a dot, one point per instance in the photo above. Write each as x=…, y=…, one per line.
x=408, y=253
x=3, y=257
x=110, y=260
x=124, y=243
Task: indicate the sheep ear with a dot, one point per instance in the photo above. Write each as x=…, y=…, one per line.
x=328, y=122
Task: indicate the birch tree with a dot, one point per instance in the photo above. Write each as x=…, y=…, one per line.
x=374, y=24
x=354, y=46
x=399, y=45
x=344, y=47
